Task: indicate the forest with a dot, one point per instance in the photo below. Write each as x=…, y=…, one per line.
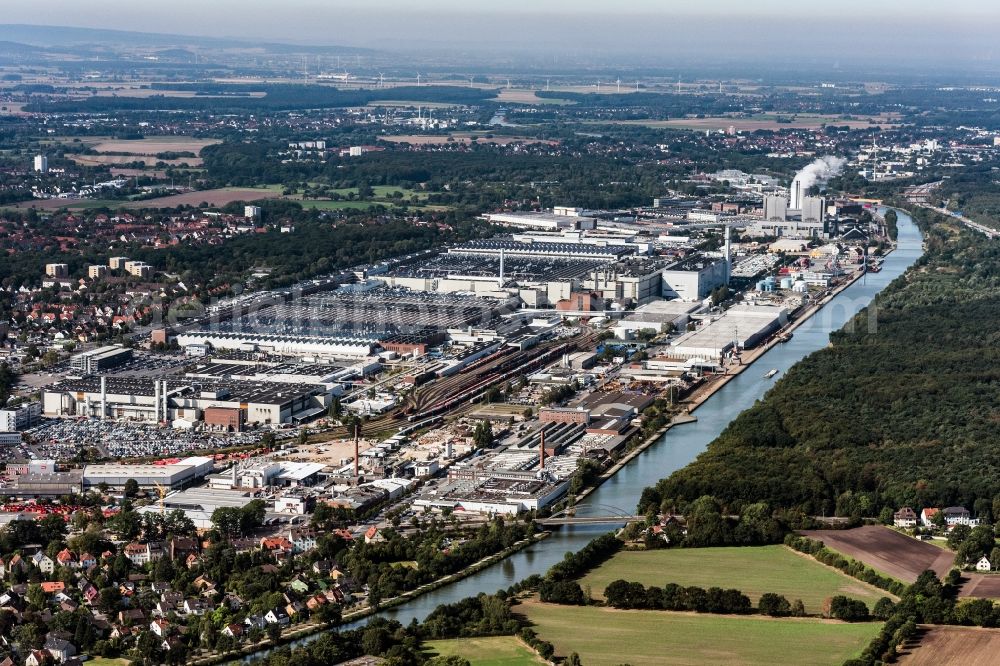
x=900, y=414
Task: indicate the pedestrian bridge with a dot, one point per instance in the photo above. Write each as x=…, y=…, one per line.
x=611, y=515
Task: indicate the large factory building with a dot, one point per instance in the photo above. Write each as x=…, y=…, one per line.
x=694, y=279
x=151, y=401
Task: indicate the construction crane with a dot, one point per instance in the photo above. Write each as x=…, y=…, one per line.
x=162, y=492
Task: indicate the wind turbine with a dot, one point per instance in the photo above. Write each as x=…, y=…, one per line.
x=470, y=81
x=381, y=80
x=598, y=85
x=547, y=84
x=637, y=85
x=418, y=78
x=619, y=82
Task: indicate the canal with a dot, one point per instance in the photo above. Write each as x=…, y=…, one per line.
x=681, y=444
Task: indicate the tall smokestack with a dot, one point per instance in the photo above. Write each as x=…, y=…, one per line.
x=156, y=401
x=501, y=266
x=357, y=453
x=104, y=396
x=163, y=394
x=729, y=253
x=541, y=452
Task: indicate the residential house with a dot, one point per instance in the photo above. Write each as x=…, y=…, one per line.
x=38, y=657
x=60, y=649
x=303, y=539
x=131, y=617
x=373, y=535
x=44, y=563
x=959, y=515
x=53, y=587
x=294, y=608
x=14, y=563
x=277, y=616
x=196, y=607
x=160, y=627
x=66, y=558
x=279, y=547
x=137, y=553
x=255, y=621
x=983, y=564
x=87, y=560
x=316, y=601
x=233, y=630
x=927, y=517
x=905, y=517
x=182, y=547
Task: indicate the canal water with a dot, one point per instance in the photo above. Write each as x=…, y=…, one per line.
x=680, y=445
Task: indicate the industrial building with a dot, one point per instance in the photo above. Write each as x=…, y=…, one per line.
x=555, y=250
x=637, y=280
x=805, y=217
x=291, y=345
x=265, y=472
x=115, y=475
x=101, y=359
x=348, y=323
x=658, y=316
x=561, y=217
x=182, y=402
x=21, y=417
x=199, y=503
x=693, y=279
x=741, y=326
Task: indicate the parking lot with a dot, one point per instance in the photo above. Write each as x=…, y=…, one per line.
x=65, y=439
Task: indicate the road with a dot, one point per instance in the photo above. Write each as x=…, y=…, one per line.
x=975, y=226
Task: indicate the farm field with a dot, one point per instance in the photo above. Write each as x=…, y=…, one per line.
x=154, y=145
x=752, y=570
x=885, y=550
x=516, y=96
x=217, y=197
x=148, y=160
x=490, y=651
x=648, y=638
x=969, y=646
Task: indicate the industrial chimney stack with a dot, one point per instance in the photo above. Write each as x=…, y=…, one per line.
x=541, y=452
x=356, y=453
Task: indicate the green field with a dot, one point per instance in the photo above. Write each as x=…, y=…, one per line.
x=491, y=651
x=604, y=636
x=383, y=191
x=752, y=570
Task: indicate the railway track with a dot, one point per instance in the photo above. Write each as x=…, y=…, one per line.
x=448, y=394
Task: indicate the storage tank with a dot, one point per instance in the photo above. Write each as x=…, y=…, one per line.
x=800, y=287
x=786, y=283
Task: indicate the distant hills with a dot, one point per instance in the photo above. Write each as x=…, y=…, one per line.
x=62, y=38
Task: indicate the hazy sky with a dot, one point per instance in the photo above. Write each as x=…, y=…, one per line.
x=846, y=29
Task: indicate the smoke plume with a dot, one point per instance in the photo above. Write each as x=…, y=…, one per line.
x=820, y=171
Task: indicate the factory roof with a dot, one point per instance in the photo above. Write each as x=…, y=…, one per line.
x=297, y=471
x=199, y=389
x=511, y=246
